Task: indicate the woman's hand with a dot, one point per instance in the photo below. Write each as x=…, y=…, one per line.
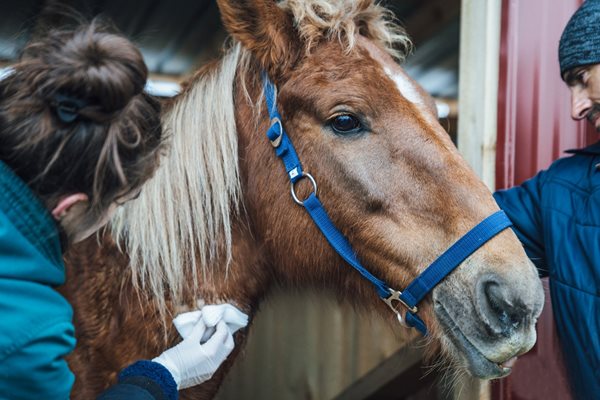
x=205, y=346
x=191, y=363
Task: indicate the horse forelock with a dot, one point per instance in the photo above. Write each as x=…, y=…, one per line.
x=318, y=20
x=181, y=223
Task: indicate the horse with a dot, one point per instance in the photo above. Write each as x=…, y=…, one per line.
x=216, y=223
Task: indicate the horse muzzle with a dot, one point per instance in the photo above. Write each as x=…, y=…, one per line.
x=489, y=331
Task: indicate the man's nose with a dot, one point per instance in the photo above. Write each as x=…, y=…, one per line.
x=580, y=103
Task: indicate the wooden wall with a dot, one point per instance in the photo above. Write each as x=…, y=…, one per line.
x=306, y=346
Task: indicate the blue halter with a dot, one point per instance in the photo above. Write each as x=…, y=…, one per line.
x=422, y=284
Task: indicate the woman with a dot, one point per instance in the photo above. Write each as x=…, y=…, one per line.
x=78, y=137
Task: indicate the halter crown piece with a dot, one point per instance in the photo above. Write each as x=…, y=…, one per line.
x=422, y=284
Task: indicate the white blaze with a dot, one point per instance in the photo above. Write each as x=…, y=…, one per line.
x=406, y=88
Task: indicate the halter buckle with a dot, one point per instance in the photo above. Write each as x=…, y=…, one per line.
x=395, y=296
x=277, y=141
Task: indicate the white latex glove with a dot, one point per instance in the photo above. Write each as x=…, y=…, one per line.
x=211, y=314
x=191, y=363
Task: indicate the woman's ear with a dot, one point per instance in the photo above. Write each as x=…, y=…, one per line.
x=65, y=204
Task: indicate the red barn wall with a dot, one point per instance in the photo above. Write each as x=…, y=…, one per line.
x=534, y=128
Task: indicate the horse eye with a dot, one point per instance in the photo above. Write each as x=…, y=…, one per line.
x=345, y=123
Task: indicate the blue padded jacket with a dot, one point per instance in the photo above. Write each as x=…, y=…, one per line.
x=556, y=215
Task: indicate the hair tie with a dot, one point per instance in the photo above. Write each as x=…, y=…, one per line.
x=67, y=107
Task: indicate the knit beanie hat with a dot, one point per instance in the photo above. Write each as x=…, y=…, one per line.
x=580, y=41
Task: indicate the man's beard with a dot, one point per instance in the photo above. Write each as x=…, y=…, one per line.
x=593, y=115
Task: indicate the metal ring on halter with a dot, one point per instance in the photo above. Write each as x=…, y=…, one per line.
x=293, y=190
x=277, y=141
x=395, y=296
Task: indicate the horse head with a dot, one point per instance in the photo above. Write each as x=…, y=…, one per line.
x=388, y=175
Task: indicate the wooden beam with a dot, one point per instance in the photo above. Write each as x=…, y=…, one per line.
x=167, y=78
x=397, y=377
x=478, y=104
x=478, y=85
x=451, y=103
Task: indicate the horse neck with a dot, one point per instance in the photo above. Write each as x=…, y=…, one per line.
x=244, y=280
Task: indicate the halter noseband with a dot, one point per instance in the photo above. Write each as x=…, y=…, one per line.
x=422, y=284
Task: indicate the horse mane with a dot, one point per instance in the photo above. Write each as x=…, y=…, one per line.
x=321, y=20
x=183, y=216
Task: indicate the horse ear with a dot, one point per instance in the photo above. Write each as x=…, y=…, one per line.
x=265, y=30
x=363, y=5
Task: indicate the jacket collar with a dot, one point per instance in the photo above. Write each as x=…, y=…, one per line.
x=29, y=215
x=592, y=150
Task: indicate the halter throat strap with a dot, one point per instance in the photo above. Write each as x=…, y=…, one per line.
x=423, y=283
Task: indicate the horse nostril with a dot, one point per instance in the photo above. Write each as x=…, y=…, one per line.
x=497, y=306
x=496, y=301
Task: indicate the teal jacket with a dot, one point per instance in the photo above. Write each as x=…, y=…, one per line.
x=36, y=331
x=556, y=215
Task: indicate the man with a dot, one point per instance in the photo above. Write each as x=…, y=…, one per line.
x=556, y=214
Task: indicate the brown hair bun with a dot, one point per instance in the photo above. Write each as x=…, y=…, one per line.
x=74, y=116
x=104, y=69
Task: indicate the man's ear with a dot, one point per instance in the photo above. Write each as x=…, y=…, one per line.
x=65, y=204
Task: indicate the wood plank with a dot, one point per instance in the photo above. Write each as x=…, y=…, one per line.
x=478, y=85
x=398, y=376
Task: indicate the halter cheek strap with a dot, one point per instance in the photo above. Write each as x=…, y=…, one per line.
x=422, y=284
